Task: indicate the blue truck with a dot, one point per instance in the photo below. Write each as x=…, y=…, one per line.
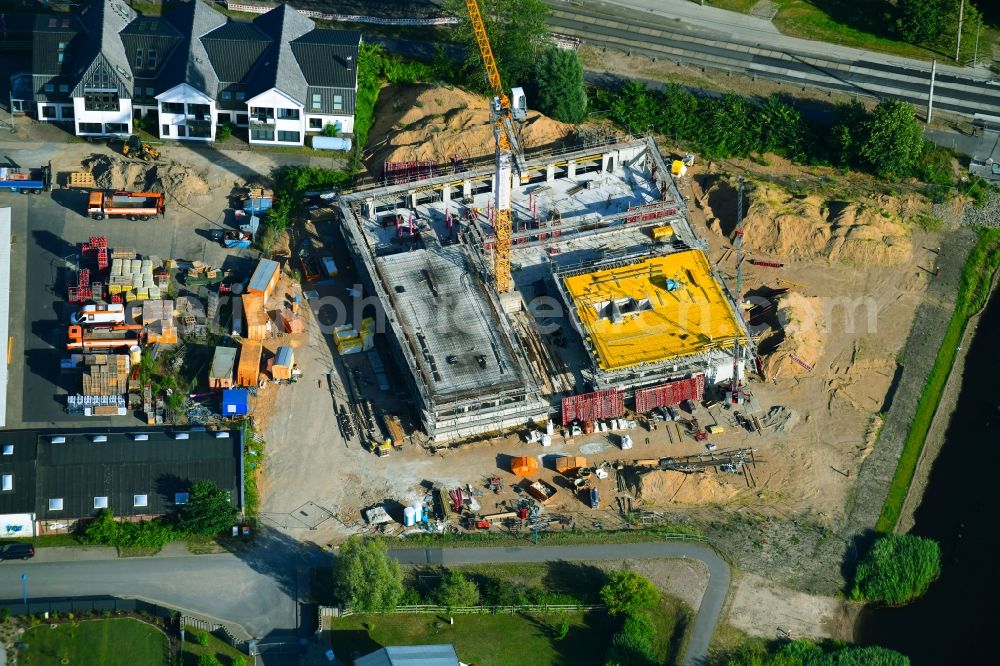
x=26, y=181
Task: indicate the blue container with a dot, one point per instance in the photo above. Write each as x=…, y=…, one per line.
x=235, y=402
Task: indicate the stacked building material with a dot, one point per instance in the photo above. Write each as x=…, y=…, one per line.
x=105, y=374
x=291, y=322
x=347, y=340
x=158, y=319
x=132, y=278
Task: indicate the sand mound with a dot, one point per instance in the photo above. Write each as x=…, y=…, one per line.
x=802, y=336
x=178, y=181
x=788, y=227
x=435, y=123
x=669, y=487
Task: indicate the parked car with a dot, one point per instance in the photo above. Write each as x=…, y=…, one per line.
x=17, y=551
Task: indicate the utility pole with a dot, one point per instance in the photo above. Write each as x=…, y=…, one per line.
x=930, y=95
x=958, y=41
x=975, y=51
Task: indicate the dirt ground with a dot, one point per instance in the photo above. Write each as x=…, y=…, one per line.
x=763, y=608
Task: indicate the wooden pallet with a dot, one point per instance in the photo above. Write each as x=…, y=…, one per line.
x=82, y=180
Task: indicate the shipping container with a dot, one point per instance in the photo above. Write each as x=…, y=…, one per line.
x=255, y=316
x=284, y=362
x=248, y=370
x=264, y=278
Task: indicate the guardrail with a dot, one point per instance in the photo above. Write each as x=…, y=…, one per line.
x=347, y=18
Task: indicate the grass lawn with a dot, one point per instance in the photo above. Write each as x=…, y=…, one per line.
x=526, y=640
x=741, y=6
x=117, y=642
x=217, y=647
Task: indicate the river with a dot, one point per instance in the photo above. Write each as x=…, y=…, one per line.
x=954, y=622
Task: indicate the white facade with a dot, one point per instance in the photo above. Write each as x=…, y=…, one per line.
x=95, y=123
x=14, y=525
x=276, y=119
x=343, y=123
x=185, y=113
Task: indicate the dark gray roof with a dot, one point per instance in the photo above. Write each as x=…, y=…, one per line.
x=234, y=49
x=103, y=52
x=328, y=57
x=49, y=32
x=189, y=62
x=411, y=655
x=278, y=68
x=80, y=469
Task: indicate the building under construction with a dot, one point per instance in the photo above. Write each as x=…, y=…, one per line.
x=602, y=227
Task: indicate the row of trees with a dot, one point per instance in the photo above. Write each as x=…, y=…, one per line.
x=926, y=21
x=897, y=569
x=806, y=653
x=886, y=140
x=208, y=512
x=631, y=598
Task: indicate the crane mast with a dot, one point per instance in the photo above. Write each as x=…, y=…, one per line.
x=506, y=153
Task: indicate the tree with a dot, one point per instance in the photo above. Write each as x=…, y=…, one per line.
x=456, y=590
x=782, y=129
x=633, y=645
x=208, y=511
x=898, y=569
x=731, y=126
x=517, y=32
x=627, y=592
x=331, y=130
x=366, y=579
x=921, y=21
x=558, y=85
x=893, y=141
x=208, y=660
x=103, y=529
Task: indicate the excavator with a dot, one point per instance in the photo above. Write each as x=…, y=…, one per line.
x=509, y=155
x=134, y=147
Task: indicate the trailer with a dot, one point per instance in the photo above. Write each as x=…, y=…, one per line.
x=26, y=181
x=133, y=205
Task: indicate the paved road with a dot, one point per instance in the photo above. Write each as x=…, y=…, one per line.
x=711, y=603
x=685, y=32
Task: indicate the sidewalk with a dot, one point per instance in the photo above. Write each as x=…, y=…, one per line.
x=45, y=555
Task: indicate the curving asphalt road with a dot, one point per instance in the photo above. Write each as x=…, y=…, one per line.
x=708, y=611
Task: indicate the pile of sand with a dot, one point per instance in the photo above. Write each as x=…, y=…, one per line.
x=789, y=227
x=670, y=487
x=802, y=336
x=435, y=123
x=178, y=181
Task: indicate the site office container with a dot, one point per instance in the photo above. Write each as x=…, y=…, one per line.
x=133, y=205
x=264, y=279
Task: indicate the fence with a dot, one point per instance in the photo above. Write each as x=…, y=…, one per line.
x=331, y=611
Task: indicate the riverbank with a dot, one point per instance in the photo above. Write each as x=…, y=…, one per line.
x=935, y=439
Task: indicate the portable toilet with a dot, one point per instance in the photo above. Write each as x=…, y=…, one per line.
x=235, y=402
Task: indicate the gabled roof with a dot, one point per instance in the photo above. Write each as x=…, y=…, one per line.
x=49, y=32
x=411, y=655
x=103, y=20
x=234, y=49
x=278, y=68
x=189, y=62
x=328, y=57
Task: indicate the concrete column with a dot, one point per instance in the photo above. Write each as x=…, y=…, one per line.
x=608, y=162
x=411, y=200
x=550, y=173
x=369, y=207
x=466, y=189
x=571, y=169
x=446, y=194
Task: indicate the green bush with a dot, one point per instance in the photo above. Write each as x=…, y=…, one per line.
x=208, y=660
x=331, y=130
x=898, y=569
x=365, y=578
x=755, y=652
x=209, y=510
x=627, y=592
x=562, y=630
x=224, y=131
x=239, y=660
x=633, y=645
x=201, y=638
x=456, y=590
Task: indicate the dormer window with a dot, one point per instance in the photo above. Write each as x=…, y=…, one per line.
x=151, y=59
x=138, y=58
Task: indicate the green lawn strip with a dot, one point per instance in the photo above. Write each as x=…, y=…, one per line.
x=741, y=6
x=673, y=620
x=485, y=640
x=51, y=541
x=117, y=642
x=217, y=647
x=566, y=537
x=972, y=295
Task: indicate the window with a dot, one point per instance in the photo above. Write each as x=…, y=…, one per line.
x=166, y=130
x=288, y=137
x=140, y=500
x=7, y=483
x=316, y=123
x=63, y=88
x=261, y=113
x=8, y=449
x=48, y=111
x=149, y=92
x=91, y=128
x=138, y=58
x=101, y=502
x=60, y=56
x=66, y=112
x=62, y=46
x=151, y=59
x=262, y=134
x=199, y=111
x=56, y=504
x=221, y=118
x=105, y=101
x=116, y=128
x=317, y=101
x=181, y=498
x=172, y=107
x=338, y=102
x=226, y=95
x=242, y=119
x=240, y=96
x=181, y=131
x=288, y=114
x=200, y=130
x=49, y=87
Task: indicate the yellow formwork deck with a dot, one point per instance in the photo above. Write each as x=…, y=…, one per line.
x=659, y=308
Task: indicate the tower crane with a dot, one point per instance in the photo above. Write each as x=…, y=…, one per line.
x=509, y=156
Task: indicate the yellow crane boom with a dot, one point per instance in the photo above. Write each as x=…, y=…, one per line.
x=505, y=143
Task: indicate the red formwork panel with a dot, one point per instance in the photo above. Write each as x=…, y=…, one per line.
x=671, y=393
x=606, y=404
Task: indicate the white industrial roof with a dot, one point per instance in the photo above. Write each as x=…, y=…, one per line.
x=4, y=308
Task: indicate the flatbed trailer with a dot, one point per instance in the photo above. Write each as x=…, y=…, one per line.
x=26, y=181
x=133, y=205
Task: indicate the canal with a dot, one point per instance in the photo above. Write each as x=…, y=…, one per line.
x=955, y=621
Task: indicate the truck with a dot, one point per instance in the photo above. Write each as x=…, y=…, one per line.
x=105, y=337
x=133, y=205
x=113, y=313
x=26, y=181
